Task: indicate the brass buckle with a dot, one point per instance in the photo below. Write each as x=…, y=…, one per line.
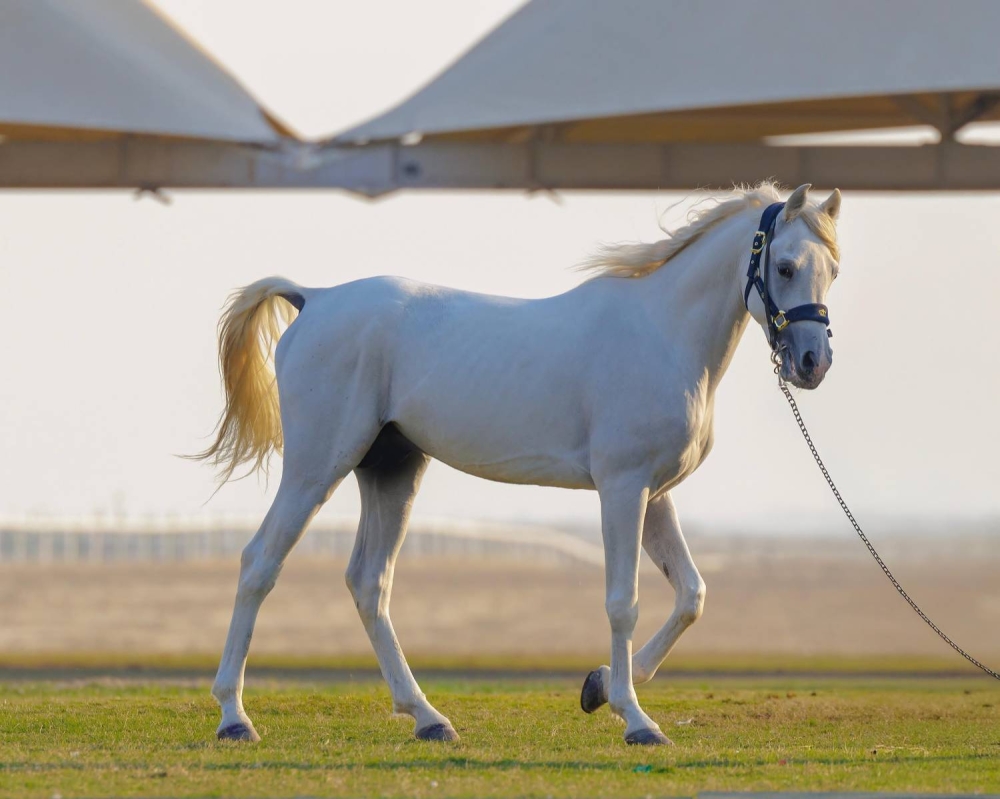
x=780, y=321
x=756, y=248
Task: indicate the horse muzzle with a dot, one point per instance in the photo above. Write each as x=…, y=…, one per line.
x=805, y=366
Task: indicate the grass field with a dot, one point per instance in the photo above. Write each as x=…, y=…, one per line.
x=523, y=738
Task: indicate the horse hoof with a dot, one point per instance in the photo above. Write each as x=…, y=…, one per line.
x=593, y=694
x=650, y=737
x=238, y=732
x=437, y=732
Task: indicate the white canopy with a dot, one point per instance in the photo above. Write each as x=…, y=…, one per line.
x=713, y=70
x=659, y=94
x=566, y=94
x=96, y=68
x=107, y=93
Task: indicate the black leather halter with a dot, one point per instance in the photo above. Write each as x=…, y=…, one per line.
x=777, y=319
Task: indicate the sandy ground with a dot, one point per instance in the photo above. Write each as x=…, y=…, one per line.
x=802, y=599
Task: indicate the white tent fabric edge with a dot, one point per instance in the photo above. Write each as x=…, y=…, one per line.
x=539, y=157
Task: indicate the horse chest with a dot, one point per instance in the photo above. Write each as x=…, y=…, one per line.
x=681, y=446
x=672, y=465
x=698, y=448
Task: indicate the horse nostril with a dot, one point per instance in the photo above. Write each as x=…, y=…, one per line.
x=808, y=362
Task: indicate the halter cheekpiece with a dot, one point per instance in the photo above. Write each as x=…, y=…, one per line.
x=777, y=319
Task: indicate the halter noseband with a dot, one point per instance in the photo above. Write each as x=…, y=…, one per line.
x=777, y=320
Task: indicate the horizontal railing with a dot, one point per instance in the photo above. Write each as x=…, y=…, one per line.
x=447, y=538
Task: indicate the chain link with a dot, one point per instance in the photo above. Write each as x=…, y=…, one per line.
x=857, y=528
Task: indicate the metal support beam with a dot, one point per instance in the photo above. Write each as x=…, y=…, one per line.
x=946, y=118
x=145, y=163
x=922, y=114
x=531, y=166
x=979, y=107
x=553, y=166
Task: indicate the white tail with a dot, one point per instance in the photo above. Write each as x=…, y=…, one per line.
x=249, y=429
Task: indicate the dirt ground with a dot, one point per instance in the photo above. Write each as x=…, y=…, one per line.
x=803, y=599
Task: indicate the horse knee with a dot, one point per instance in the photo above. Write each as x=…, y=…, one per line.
x=258, y=572
x=623, y=612
x=353, y=578
x=367, y=590
x=691, y=603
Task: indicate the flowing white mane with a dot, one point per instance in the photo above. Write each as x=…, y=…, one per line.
x=636, y=259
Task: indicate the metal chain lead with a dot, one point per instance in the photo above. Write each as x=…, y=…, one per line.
x=857, y=528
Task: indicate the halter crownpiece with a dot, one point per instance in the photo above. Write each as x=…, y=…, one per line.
x=777, y=319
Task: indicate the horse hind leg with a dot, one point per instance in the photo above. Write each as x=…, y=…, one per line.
x=389, y=477
x=314, y=465
x=262, y=560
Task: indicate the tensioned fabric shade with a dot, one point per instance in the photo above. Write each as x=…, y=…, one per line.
x=566, y=94
x=662, y=71
x=92, y=69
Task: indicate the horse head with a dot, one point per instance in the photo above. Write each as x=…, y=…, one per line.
x=799, y=264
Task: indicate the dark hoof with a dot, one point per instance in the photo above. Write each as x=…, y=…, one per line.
x=593, y=694
x=238, y=732
x=437, y=732
x=647, y=738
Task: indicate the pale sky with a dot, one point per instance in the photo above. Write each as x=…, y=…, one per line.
x=109, y=309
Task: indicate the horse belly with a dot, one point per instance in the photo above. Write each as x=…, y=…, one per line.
x=512, y=428
x=528, y=468
x=492, y=387
x=497, y=444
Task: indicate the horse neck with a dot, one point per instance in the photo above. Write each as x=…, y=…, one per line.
x=695, y=297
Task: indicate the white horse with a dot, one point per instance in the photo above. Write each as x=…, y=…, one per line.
x=610, y=387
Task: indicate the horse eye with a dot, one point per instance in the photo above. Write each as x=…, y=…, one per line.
x=785, y=270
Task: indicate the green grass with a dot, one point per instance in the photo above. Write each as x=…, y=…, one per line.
x=518, y=739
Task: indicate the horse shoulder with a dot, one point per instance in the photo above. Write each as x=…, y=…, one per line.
x=660, y=419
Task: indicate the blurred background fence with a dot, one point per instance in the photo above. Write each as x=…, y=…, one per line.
x=54, y=544
x=121, y=585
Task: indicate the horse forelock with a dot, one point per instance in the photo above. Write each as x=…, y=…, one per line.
x=637, y=259
x=824, y=227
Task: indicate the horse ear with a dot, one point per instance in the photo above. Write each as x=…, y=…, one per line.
x=795, y=203
x=831, y=205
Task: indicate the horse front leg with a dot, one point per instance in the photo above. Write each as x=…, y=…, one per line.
x=664, y=543
x=623, y=507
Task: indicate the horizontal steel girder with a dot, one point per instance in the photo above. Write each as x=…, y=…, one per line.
x=139, y=163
